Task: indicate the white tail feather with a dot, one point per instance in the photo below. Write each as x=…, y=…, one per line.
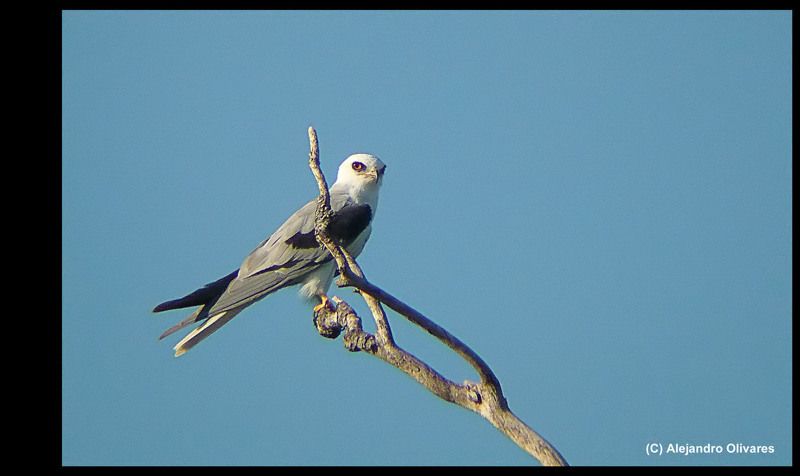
x=206, y=329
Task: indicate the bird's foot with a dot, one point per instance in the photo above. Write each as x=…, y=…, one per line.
x=326, y=303
x=326, y=318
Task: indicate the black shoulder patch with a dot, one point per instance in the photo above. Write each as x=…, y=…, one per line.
x=303, y=240
x=345, y=226
x=349, y=222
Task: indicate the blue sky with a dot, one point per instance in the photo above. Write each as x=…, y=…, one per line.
x=598, y=203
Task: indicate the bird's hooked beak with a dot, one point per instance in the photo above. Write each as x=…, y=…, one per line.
x=377, y=175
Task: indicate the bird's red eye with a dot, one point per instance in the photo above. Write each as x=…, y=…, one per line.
x=358, y=166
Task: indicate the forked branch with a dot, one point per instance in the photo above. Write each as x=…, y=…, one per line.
x=485, y=398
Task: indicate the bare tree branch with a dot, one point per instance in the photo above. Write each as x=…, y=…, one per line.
x=346, y=264
x=485, y=398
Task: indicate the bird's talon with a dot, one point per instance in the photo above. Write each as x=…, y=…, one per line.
x=325, y=304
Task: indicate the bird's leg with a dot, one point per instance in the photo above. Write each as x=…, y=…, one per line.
x=326, y=318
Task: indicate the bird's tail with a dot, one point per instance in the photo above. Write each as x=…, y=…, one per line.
x=208, y=327
x=190, y=319
x=204, y=297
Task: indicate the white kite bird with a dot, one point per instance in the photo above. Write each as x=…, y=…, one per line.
x=290, y=256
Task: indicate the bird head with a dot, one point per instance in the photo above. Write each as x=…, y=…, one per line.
x=361, y=170
x=361, y=176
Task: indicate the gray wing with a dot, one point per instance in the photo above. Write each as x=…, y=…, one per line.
x=275, y=263
x=283, y=259
x=290, y=253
